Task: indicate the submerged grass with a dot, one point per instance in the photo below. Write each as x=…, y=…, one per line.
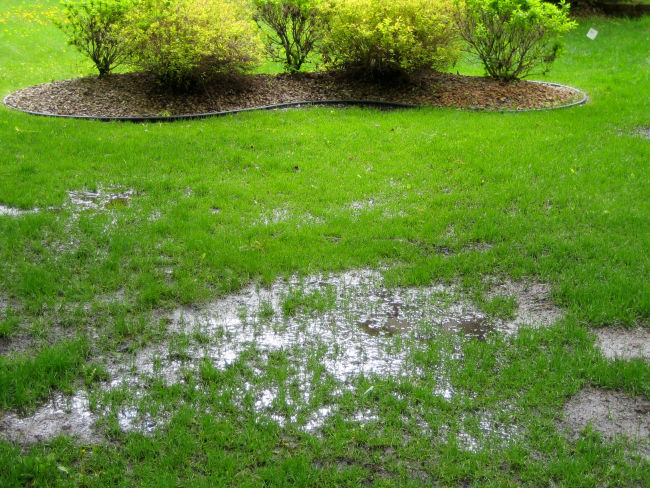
x=429, y=195
x=24, y=379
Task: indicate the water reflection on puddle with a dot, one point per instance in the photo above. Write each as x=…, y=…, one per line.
x=390, y=326
x=359, y=329
x=100, y=199
x=350, y=325
x=79, y=200
x=13, y=211
x=475, y=326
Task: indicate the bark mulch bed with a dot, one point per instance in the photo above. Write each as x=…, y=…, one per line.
x=138, y=94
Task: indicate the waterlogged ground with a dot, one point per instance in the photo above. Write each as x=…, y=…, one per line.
x=300, y=354
x=319, y=354
x=494, y=333
x=80, y=200
x=328, y=332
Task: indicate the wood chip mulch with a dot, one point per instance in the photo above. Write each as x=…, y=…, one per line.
x=138, y=94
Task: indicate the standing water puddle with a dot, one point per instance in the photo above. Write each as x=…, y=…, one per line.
x=349, y=324
x=101, y=199
x=366, y=328
x=475, y=326
x=14, y=212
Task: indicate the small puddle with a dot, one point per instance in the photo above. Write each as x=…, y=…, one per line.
x=100, y=199
x=475, y=326
x=15, y=212
x=71, y=416
x=275, y=216
x=68, y=415
x=390, y=326
x=359, y=308
x=390, y=316
x=117, y=202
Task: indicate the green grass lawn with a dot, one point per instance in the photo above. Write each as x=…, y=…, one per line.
x=561, y=197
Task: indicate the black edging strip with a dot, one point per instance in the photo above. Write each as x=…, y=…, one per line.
x=357, y=103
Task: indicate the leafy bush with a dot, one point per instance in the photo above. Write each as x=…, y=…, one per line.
x=513, y=37
x=92, y=27
x=184, y=42
x=292, y=29
x=583, y=6
x=387, y=36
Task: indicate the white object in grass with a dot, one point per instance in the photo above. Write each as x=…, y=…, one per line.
x=592, y=33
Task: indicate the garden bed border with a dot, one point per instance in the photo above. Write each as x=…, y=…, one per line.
x=357, y=103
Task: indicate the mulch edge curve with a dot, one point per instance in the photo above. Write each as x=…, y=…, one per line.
x=357, y=103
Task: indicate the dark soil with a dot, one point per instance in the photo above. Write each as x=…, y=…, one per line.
x=138, y=94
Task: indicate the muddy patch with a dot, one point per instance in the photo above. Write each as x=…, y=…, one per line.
x=117, y=296
x=16, y=342
x=613, y=414
x=332, y=329
x=389, y=327
x=534, y=304
x=27, y=338
x=10, y=327
x=625, y=344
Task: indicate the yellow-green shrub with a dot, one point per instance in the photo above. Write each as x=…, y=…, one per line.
x=384, y=36
x=513, y=37
x=185, y=41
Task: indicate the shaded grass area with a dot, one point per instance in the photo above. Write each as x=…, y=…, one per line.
x=559, y=196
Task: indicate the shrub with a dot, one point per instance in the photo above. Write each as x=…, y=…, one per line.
x=92, y=27
x=387, y=36
x=184, y=42
x=292, y=29
x=513, y=37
